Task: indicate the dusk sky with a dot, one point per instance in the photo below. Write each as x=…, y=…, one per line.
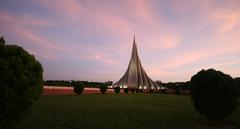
x=92, y=39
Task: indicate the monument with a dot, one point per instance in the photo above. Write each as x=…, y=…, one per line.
x=135, y=77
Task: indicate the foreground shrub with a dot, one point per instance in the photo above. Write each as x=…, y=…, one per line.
x=137, y=91
x=163, y=90
x=177, y=90
x=78, y=87
x=20, y=83
x=237, y=84
x=152, y=91
x=132, y=90
x=213, y=94
x=103, y=88
x=117, y=90
x=126, y=90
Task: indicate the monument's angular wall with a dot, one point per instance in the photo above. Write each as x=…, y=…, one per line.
x=135, y=77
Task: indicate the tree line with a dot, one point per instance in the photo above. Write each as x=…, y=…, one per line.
x=175, y=85
x=71, y=82
x=171, y=85
x=186, y=85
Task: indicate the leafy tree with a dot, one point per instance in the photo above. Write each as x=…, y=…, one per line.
x=126, y=90
x=177, y=89
x=109, y=83
x=57, y=83
x=20, y=83
x=152, y=91
x=103, y=88
x=67, y=83
x=137, y=90
x=78, y=87
x=213, y=94
x=117, y=90
x=132, y=90
x=163, y=90
x=237, y=84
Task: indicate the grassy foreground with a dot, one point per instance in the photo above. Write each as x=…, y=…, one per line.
x=124, y=111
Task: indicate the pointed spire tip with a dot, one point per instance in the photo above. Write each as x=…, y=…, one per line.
x=134, y=39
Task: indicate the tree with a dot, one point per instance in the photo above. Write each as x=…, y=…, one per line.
x=126, y=90
x=163, y=90
x=132, y=90
x=213, y=94
x=78, y=87
x=2, y=41
x=103, y=88
x=20, y=83
x=109, y=83
x=237, y=84
x=117, y=90
x=177, y=89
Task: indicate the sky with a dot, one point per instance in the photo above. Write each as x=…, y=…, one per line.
x=92, y=39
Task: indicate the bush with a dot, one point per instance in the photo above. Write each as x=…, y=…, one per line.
x=103, y=88
x=126, y=90
x=177, y=90
x=78, y=87
x=237, y=84
x=152, y=91
x=163, y=90
x=213, y=94
x=137, y=91
x=20, y=83
x=132, y=90
x=117, y=90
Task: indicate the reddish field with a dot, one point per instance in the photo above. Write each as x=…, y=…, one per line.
x=50, y=90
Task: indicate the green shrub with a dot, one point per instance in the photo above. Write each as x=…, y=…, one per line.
x=117, y=90
x=163, y=90
x=78, y=87
x=177, y=90
x=237, y=84
x=20, y=83
x=103, y=88
x=213, y=94
x=126, y=90
x=152, y=91
x=132, y=90
x=137, y=91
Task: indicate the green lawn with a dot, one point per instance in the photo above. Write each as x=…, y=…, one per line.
x=124, y=111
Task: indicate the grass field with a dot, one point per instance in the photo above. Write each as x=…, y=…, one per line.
x=124, y=111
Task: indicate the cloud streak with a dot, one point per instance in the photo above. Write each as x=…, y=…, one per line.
x=175, y=38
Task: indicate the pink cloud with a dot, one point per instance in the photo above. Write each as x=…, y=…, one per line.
x=30, y=35
x=114, y=20
x=158, y=72
x=38, y=41
x=140, y=9
x=23, y=20
x=104, y=59
x=225, y=20
x=183, y=59
x=21, y=30
x=52, y=49
x=158, y=42
x=70, y=8
x=193, y=57
x=105, y=15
